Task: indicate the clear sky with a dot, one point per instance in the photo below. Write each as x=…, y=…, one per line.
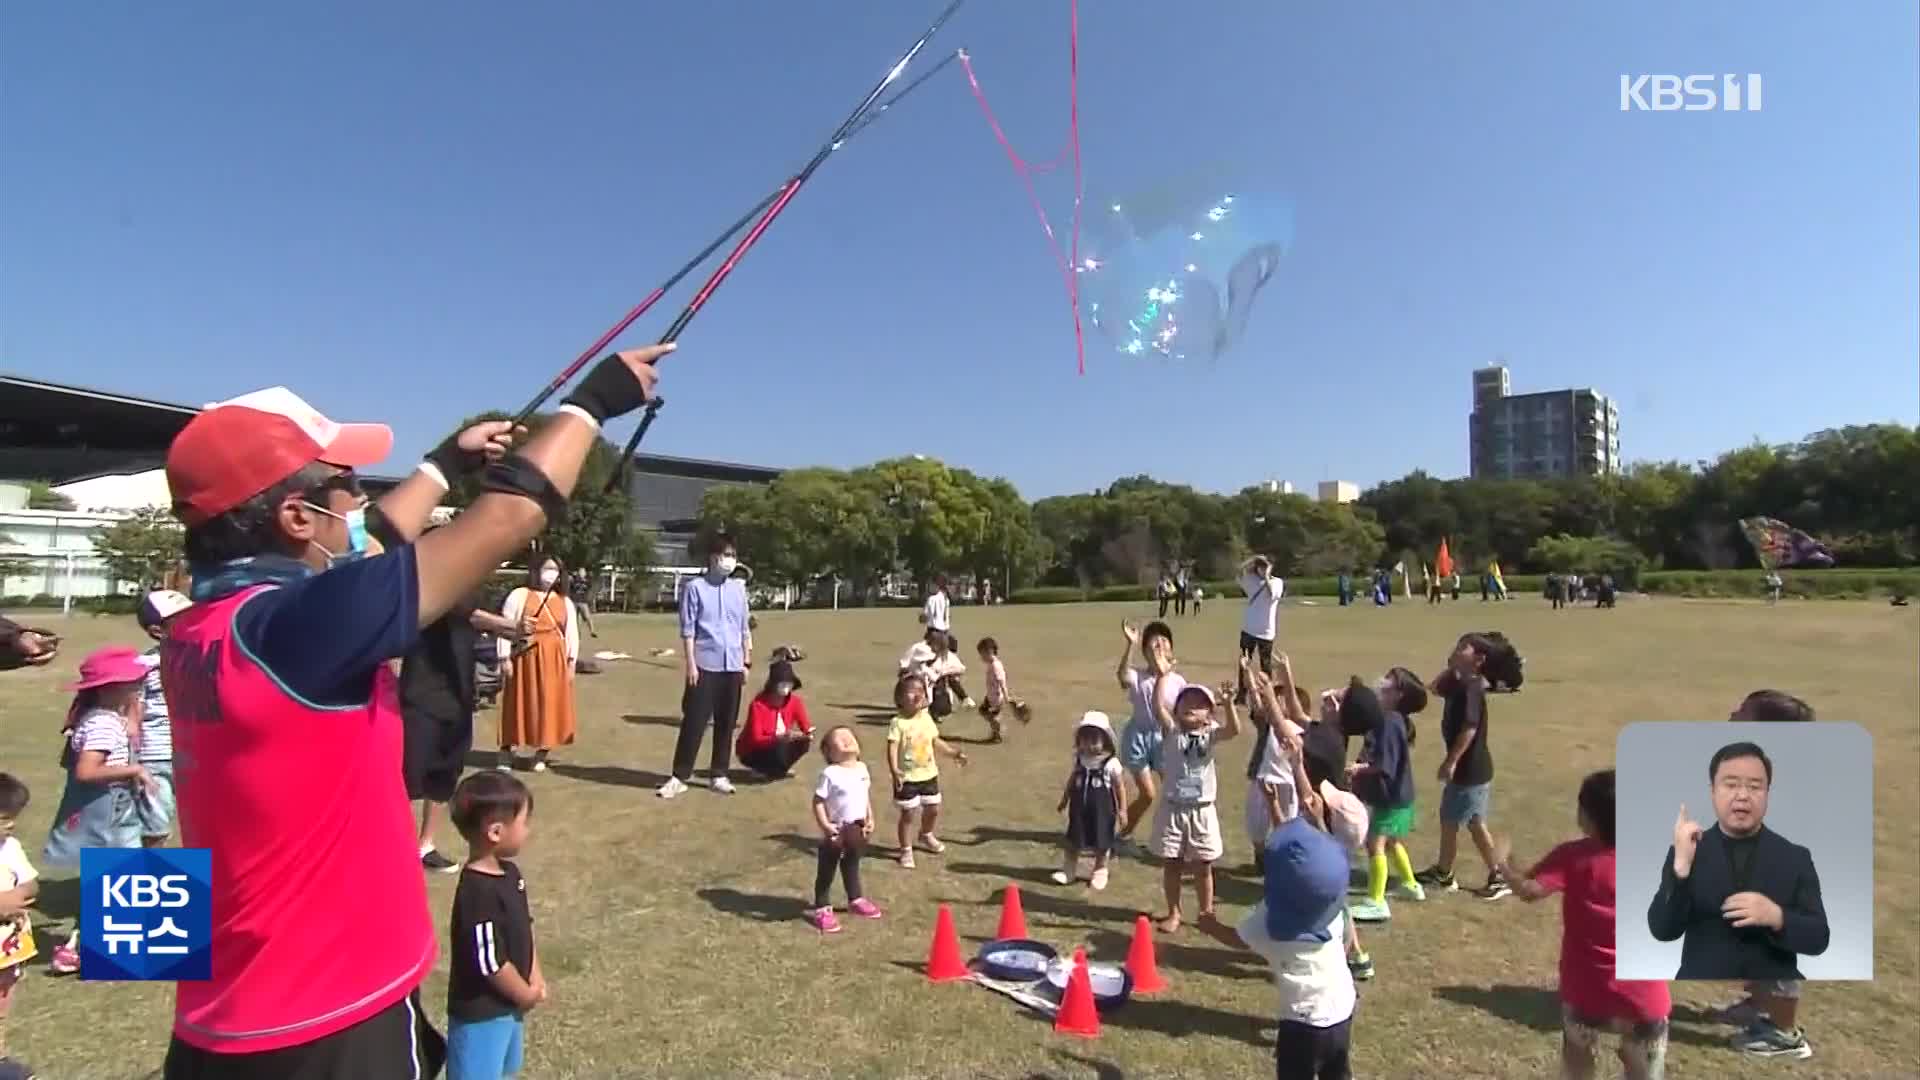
x=412, y=212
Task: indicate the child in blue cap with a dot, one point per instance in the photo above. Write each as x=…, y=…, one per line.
x=1299, y=928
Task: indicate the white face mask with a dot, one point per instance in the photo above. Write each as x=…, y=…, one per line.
x=726, y=564
x=549, y=577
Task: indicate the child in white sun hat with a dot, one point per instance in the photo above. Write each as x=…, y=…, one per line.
x=1092, y=800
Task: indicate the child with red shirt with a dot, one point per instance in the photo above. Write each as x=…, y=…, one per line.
x=778, y=732
x=1592, y=1001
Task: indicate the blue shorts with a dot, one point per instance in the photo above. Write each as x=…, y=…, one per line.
x=1464, y=805
x=156, y=807
x=485, y=1049
x=1140, y=746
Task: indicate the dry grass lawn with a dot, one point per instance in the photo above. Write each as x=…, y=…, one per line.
x=671, y=931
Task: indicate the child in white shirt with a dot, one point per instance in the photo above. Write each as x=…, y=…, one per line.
x=843, y=811
x=1187, y=827
x=19, y=885
x=998, y=695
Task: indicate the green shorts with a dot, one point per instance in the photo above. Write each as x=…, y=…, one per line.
x=1390, y=821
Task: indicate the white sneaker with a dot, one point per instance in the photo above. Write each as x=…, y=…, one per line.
x=673, y=788
x=1061, y=877
x=1099, y=879
x=721, y=785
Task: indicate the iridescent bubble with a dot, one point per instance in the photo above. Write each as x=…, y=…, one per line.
x=1175, y=269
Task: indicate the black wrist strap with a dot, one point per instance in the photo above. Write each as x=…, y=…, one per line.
x=515, y=475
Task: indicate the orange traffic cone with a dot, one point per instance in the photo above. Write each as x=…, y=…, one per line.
x=1077, y=1015
x=1013, y=918
x=944, y=962
x=1140, y=960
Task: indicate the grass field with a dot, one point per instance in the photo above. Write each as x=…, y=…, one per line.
x=670, y=930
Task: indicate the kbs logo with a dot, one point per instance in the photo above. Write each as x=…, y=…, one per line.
x=1689, y=93
x=145, y=914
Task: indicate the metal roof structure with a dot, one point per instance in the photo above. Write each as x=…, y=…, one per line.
x=59, y=433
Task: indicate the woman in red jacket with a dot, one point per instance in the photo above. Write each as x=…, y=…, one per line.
x=778, y=733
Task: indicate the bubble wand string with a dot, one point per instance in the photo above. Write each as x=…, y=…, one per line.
x=787, y=192
x=1069, y=261
x=566, y=375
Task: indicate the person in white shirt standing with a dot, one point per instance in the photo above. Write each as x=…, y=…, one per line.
x=1262, y=621
x=938, y=614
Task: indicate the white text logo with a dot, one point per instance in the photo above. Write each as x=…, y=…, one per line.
x=1689, y=93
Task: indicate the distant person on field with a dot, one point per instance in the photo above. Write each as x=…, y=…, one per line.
x=1768, y=1001
x=1199, y=597
x=495, y=978
x=1092, y=801
x=19, y=888
x=778, y=732
x=999, y=697
x=1140, y=739
x=1187, y=828
x=1593, y=1001
x=942, y=672
x=580, y=591
x=1743, y=900
x=1383, y=779
x=912, y=739
x=717, y=641
x=843, y=812
x=1466, y=799
x=154, y=750
x=937, y=614
x=100, y=806
x=1262, y=623
x=537, y=666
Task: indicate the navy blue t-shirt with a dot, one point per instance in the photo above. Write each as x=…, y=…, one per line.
x=323, y=637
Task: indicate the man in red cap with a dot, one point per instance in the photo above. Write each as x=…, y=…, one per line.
x=286, y=723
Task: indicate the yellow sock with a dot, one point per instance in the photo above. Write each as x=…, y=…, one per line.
x=1377, y=878
x=1402, y=864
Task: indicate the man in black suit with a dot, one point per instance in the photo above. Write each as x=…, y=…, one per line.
x=1745, y=899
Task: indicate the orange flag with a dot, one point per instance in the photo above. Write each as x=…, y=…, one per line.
x=1443, y=563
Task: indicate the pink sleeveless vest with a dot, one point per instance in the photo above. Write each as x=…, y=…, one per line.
x=320, y=916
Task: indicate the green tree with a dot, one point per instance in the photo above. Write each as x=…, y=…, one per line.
x=597, y=521
x=142, y=549
x=41, y=496
x=1588, y=555
x=633, y=560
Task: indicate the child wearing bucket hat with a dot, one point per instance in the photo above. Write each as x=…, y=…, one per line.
x=1091, y=801
x=1298, y=928
x=100, y=806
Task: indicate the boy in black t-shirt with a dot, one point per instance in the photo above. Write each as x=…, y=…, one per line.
x=496, y=971
x=1467, y=771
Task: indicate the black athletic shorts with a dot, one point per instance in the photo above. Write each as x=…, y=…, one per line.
x=395, y=1044
x=437, y=739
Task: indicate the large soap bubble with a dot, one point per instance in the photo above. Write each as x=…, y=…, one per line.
x=1175, y=269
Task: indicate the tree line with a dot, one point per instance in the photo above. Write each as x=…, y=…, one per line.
x=1856, y=488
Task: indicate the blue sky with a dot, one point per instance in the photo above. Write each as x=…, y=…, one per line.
x=411, y=212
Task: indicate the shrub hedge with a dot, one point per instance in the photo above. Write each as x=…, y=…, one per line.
x=1837, y=584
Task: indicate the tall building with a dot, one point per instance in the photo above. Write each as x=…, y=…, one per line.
x=1543, y=434
x=1339, y=491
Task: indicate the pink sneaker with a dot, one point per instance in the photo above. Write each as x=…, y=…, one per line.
x=865, y=908
x=66, y=960
x=822, y=920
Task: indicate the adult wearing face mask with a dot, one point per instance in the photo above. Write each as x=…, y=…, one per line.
x=536, y=671
x=718, y=646
x=286, y=723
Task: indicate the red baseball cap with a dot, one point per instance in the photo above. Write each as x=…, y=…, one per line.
x=237, y=449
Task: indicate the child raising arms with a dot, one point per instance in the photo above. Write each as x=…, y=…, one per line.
x=912, y=739
x=1187, y=828
x=843, y=812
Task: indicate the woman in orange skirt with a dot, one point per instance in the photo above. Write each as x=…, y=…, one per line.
x=536, y=693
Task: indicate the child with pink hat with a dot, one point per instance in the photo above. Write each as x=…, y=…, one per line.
x=99, y=807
